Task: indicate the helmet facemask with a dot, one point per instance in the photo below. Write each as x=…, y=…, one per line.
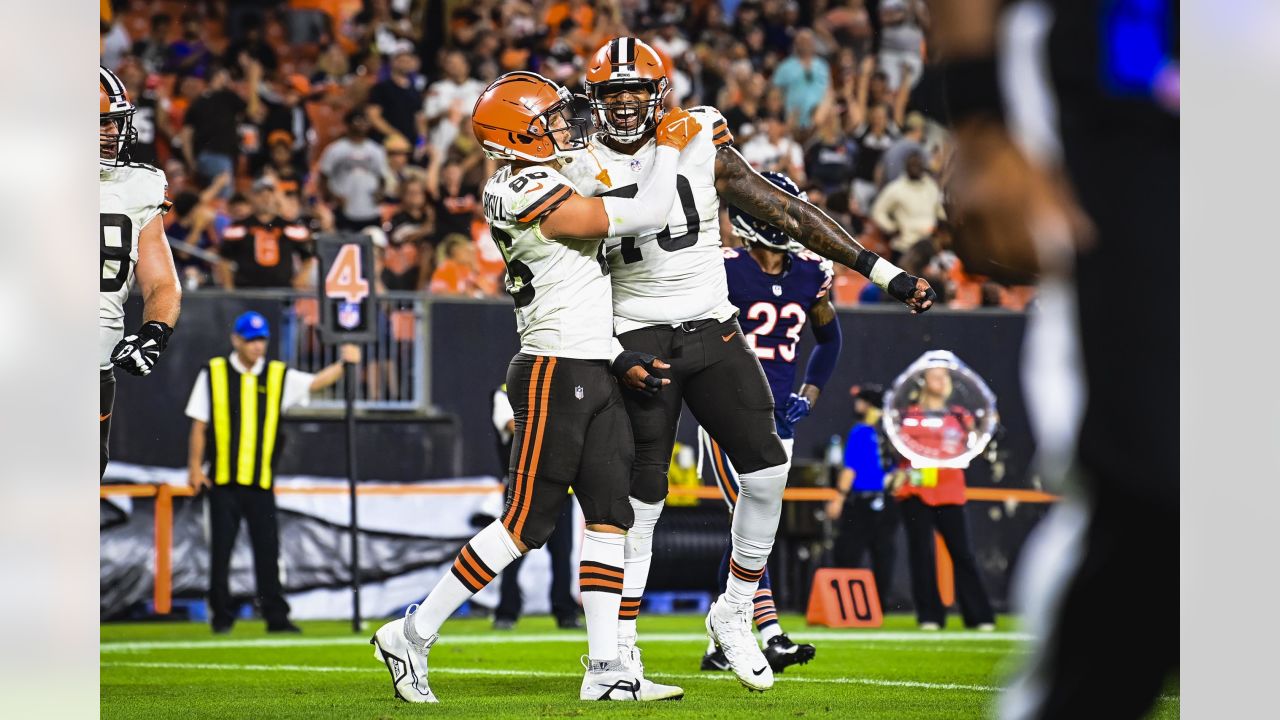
x=568, y=120
x=647, y=113
x=114, y=150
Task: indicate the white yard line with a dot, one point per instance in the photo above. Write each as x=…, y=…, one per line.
x=496, y=638
x=543, y=674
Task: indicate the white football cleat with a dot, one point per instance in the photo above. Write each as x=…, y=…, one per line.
x=730, y=629
x=398, y=646
x=629, y=656
x=608, y=681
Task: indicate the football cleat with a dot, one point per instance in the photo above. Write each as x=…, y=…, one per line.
x=629, y=656
x=730, y=629
x=398, y=646
x=782, y=653
x=715, y=661
x=608, y=681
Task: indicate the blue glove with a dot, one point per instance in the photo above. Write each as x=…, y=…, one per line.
x=798, y=407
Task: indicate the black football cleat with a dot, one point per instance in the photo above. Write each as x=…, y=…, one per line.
x=715, y=661
x=782, y=653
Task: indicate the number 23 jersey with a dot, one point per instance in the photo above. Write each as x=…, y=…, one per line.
x=130, y=196
x=676, y=274
x=560, y=287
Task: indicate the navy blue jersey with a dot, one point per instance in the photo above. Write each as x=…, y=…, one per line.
x=773, y=309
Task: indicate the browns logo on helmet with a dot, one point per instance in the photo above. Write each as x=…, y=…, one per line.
x=524, y=116
x=620, y=70
x=116, y=134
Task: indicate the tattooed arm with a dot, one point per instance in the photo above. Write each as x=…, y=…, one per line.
x=743, y=187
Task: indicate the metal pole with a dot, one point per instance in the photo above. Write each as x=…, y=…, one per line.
x=349, y=389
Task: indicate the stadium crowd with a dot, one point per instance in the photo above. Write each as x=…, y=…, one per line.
x=278, y=119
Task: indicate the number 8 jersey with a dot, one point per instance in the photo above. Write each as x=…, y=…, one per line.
x=560, y=287
x=677, y=274
x=130, y=196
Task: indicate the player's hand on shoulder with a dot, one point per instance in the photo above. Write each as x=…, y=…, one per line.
x=798, y=407
x=635, y=370
x=677, y=129
x=138, y=353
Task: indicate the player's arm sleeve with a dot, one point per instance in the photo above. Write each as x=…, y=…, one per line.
x=297, y=388
x=648, y=210
x=502, y=411
x=160, y=202
x=822, y=361
x=198, y=403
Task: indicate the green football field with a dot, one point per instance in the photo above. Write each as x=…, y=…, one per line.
x=180, y=670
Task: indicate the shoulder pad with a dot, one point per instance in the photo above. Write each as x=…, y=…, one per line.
x=714, y=124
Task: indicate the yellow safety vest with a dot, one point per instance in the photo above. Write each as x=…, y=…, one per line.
x=251, y=415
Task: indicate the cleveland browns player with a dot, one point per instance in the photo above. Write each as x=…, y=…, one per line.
x=670, y=299
x=132, y=243
x=571, y=430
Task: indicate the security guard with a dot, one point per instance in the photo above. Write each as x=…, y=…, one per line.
x=235, y=409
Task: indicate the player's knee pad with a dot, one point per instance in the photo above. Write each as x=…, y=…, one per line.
x=640, y=537
x=760, y=451
x=617, y=513
x=755, y=518
x=649, y=483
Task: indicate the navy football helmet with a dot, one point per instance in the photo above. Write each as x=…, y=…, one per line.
x=758, y=232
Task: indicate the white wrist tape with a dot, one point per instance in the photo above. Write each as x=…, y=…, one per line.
x=882, y=272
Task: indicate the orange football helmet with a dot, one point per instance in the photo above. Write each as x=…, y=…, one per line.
x=620, y=64
x=114, y=140
x=520, y=115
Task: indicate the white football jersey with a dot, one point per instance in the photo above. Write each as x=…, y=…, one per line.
x=130, y=197
x=676, y=274
x=560, y=287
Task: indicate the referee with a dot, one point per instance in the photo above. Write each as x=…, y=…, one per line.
x=235, y=409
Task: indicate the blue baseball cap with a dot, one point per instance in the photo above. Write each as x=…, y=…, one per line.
x=251, y=326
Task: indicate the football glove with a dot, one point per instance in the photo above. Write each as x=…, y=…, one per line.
x=798, y=407
x=138, y=353
x=628, y=359
x=676, y=129
x=903, y=289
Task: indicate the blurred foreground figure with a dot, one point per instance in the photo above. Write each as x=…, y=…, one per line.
x=1055, y=99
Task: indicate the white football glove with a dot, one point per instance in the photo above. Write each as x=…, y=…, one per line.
x=138, y=353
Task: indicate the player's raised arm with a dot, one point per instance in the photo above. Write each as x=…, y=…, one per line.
x=742, y=186
x=580, y=217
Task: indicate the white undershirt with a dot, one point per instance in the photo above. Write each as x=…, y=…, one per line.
x=297, y=388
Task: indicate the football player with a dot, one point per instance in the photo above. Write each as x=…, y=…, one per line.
x=571, y=429
x=778, y=288
x=670, y=300
x=132, y=243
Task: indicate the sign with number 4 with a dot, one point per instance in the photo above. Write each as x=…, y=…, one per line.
x=347, y=309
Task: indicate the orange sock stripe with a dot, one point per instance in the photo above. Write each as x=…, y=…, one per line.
x=532, y=473
x=526, y=439
x=744, y=574
x=460, y=571
x=597, y=579
x=477, y=568
x=761, y=621
x=628, y=614
x=590, y=566
x=597, y=585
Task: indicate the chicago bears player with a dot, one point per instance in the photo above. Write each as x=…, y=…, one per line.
x=132, y=243
x=778, y=288
x=670, y=300
x=571, y=429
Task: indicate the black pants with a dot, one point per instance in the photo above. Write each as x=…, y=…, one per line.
x=719, y=377
x=920, y=521
x=560, y=545
x=869, y=525
x=227, y=505
x=106, y=401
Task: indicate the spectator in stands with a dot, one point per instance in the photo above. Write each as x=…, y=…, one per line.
x=449, y=100
x=153, y=50
x=894, y=161
x=282, y=164
x=804, y=78
x=210, y=133
x=251, y=43
x=384, y=29
x=774, y=150
x=873, y=138
x=399, y=169
x=909, y=208
x=902, y=41
x=269, y=252
x=395, y=104
x=189, y=55
x=933, y=499
x=409, y=256
x=351, y=172
x=829, y=159
x=284, y=108
x=455, y=201
x=867, y=514
x=456, y=270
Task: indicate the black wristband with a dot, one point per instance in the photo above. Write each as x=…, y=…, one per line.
x=864, y=262
x=973, y=90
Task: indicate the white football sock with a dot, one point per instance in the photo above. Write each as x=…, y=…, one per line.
x=600, y=580
x=755, y=524
x=478, y=563
x=639, y=555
